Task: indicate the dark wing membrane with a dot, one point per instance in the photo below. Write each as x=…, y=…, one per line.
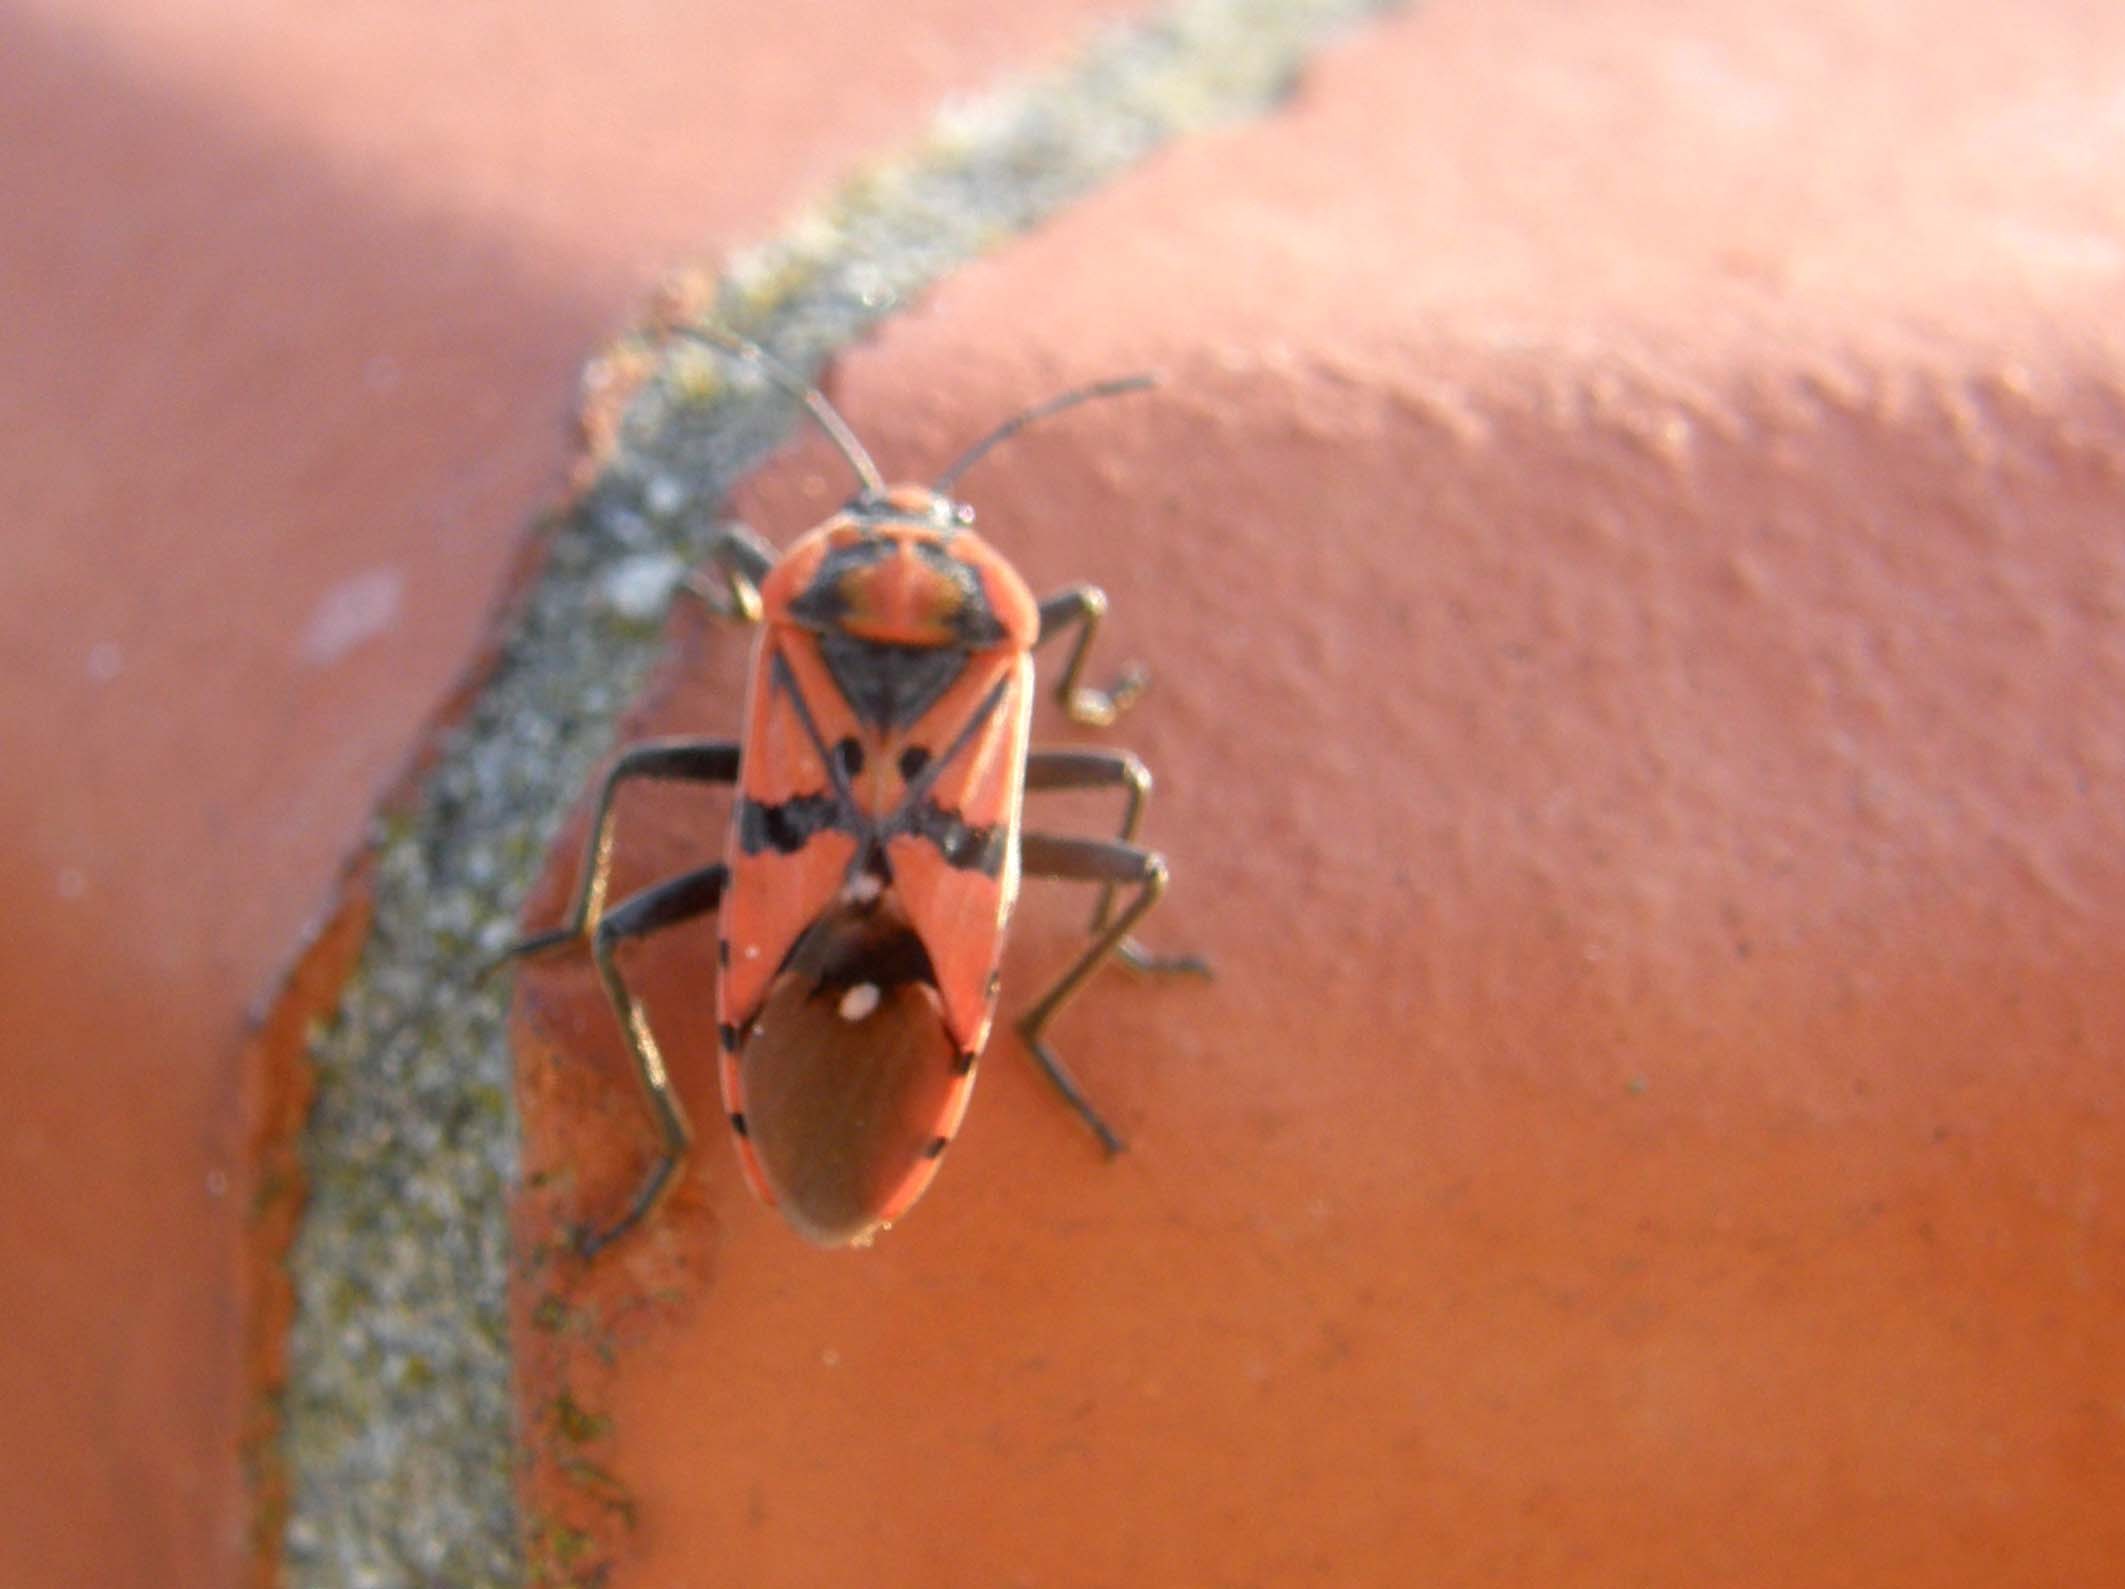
x=848, y=1081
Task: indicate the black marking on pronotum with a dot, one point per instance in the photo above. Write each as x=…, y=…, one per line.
x=789, y=825
x=890, y=686
x=912, y=761
x=963, y=845
x=737, y=1124
x=822, y=604
x=727, y=1035
x=973, y=619
x=850, y=754
x=936, y=1147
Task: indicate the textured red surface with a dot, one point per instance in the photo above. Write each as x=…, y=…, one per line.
x=1629, y=546
x=294, y=298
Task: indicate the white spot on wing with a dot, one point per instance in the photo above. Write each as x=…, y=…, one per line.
x=859, y=1001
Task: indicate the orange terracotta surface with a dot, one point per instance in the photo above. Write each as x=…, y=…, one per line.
x=295, y=298
x=1629, y=550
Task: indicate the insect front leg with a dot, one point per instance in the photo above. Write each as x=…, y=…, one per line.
x=739, y=560
x=682, y=898
x=1085, y=605
x=710, y=761
x=1110, y=769
x=1086, y=861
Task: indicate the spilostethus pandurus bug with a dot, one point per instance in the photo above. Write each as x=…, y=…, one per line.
x=875, y=846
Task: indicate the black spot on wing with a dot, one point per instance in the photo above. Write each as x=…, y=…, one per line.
x=963, y=845
x=788, y=826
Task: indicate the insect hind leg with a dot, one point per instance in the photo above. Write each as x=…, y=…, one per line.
x=683, y=898
x=1102, y=861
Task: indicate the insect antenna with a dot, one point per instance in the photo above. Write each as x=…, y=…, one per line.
x=797, y=386
x=1032, y=416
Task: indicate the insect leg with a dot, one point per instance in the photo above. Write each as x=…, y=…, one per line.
x=1107, y=769
x=1085, y=605
x=740, y=561
x=1085, y=861
x=682, y=898
x=689, y=760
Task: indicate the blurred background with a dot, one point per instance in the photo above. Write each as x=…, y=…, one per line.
x=1629, y=547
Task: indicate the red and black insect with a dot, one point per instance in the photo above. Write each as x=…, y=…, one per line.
x=875, y=848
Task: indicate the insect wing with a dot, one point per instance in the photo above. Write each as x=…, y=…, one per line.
x=959, y=880
x=789, y=858
x=844, y=1092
